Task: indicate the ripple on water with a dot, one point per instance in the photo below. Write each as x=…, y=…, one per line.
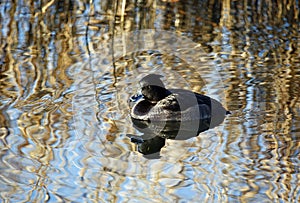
x=102, y=119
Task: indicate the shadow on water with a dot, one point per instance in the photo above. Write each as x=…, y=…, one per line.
x=155, y=133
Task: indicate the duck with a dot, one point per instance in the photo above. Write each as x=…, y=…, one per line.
x=154, y=102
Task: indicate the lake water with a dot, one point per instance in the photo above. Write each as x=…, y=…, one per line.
x=69, y=68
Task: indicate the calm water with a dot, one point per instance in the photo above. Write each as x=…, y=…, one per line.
x=69, y=68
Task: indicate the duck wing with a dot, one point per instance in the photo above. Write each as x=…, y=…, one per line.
x=195, y=105
x=169, y=103
x=183, y=105
x=186, y=99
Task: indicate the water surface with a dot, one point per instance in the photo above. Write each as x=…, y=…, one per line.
x=64, y=106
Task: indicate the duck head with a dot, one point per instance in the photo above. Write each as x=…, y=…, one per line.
x=153, y=89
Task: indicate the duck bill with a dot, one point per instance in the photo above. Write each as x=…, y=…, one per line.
x=136, y=97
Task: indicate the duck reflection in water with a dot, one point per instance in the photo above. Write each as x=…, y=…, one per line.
x=161, y=114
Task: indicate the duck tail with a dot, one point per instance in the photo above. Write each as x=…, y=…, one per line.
x=228, y=112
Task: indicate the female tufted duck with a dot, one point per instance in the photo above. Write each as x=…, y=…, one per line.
x=156, y=103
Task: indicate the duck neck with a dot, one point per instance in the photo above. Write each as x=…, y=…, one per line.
x=155, y=93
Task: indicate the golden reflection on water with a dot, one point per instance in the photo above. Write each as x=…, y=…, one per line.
x=253, y=44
